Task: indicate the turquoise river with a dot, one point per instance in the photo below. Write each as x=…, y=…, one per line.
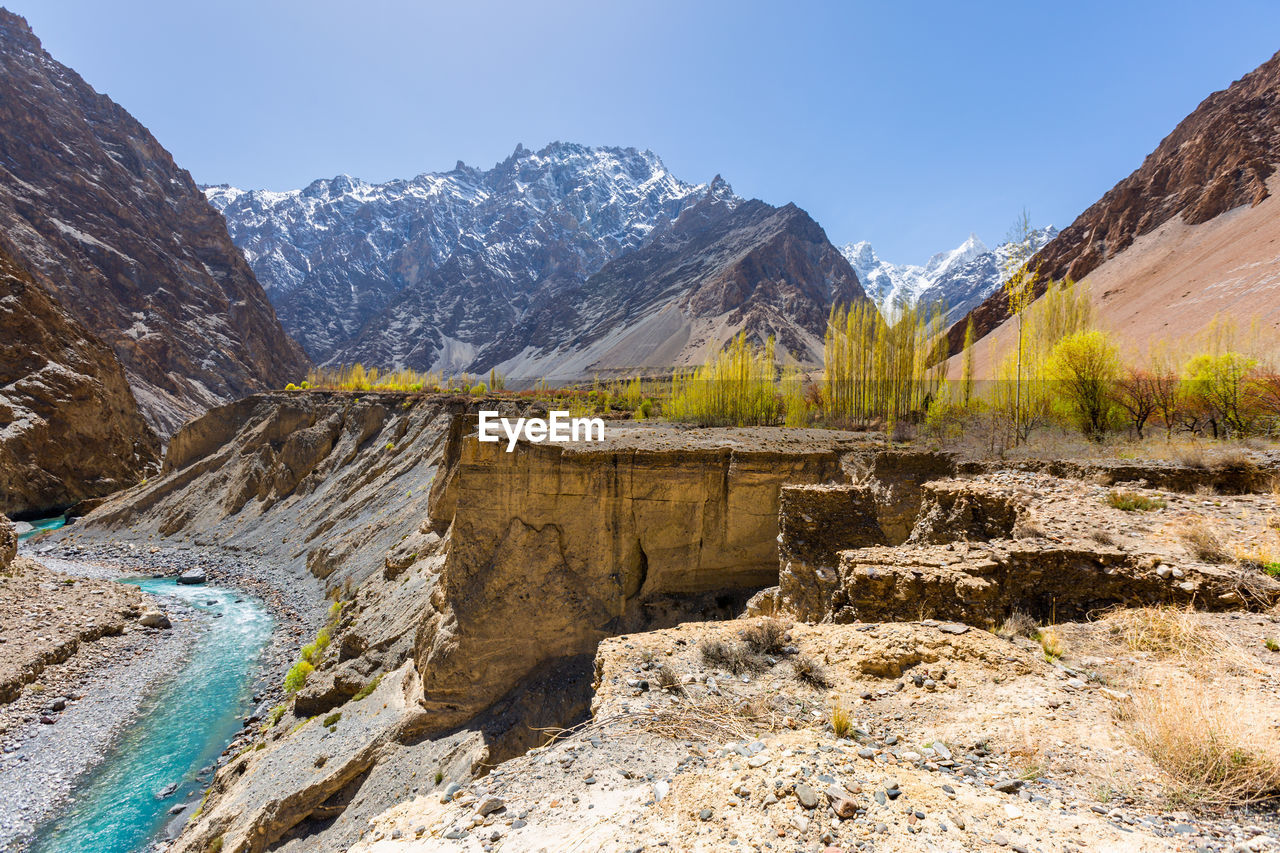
x=184, y=726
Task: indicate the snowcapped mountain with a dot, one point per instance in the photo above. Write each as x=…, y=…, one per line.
x=545, y=265
x=467, y=246
x=958, y=279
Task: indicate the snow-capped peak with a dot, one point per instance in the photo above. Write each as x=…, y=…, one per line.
x=957, y=279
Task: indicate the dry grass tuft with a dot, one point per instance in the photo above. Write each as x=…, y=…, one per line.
x=733, y=657
x=1017, y=624
x=1192, y=457
x=1103, y=537
x=709, y=718
x=668, y=679
x=1169, y=632
x=809, y=671
x=1202, y=541
x=841, y=721
x=1052, y=643
x=1212, y=749
x=766, y=637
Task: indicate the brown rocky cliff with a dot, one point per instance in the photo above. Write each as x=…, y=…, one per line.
x=133, y=250
x=1218, y=158
x=69, y=426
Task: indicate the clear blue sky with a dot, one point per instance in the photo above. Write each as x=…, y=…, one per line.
x=908, y=124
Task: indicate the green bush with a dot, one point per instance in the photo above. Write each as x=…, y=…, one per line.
x=297, y=676
x=332, y=719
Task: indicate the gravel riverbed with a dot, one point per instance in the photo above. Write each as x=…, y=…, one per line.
x=98, y=691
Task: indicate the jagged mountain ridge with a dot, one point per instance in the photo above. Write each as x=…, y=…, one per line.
x=92, y=202
x=959, y=279
x=470, y=269
x=1220, y=159
x=451, y=259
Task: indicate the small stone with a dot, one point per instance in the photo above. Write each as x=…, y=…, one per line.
x=807, y=796
x=488, y=805
x=705, y=814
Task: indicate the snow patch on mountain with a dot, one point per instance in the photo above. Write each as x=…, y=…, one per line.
x=958, y=279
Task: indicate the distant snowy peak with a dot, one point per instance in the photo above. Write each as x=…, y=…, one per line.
x=945, y=263
x=891, y=286
x=957, y=279
x=339, y=252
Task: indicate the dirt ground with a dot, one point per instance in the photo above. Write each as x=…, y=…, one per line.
x=958, y=739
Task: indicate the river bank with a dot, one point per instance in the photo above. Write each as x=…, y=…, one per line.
x=102, y=686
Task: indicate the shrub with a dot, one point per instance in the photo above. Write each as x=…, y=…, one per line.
x=1202, y=541
x=1271, y=644
x=291, y=387
x=809, y=671
x=1128, y=501
x=316, y=646
x=479, y=390
x=731, y=657
x=766, y=637
x=297, y=676
x=274, y=717
x=439, y=776
x=332, y=719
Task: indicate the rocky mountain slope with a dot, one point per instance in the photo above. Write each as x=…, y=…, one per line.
x=1212, y=175
x=959, y=279
x=69, y=426
x=91, y=201
x=722, y=267
x=471, y=269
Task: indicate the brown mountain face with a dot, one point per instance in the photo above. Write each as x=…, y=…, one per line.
x=1217, y=159
x=69, y=426
x=722, y=267
x=90, y=200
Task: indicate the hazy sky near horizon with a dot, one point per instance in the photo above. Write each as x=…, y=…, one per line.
x=909, y=124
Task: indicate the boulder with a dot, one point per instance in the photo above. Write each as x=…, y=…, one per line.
x=154, y=619
x=192, y=576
